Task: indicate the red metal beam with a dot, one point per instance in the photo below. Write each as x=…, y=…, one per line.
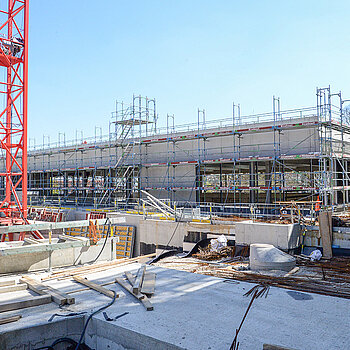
x=13, y=113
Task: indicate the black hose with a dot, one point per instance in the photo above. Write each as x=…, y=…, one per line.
x=64, y=340
x=105, y=242
x=58, y=341
x=93, y=314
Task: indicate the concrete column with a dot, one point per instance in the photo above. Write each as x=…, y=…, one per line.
x=253, y=179
x=268, y=169
x=221, y=194
x=283, y=182
x=128, y=185
x=198, y=183
x=346, y=181
x=43, y=183
x=65, y=184
x=84, y=183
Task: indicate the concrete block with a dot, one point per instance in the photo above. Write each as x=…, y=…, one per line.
x=282, y=236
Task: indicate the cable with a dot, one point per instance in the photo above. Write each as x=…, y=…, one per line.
x=182, y=213
x=64, y=340
x=105, y=242
x=93, y=314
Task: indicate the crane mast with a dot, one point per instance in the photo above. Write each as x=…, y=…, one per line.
x=14, y=15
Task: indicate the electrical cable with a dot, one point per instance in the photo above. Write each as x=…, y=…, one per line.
x=105, y=242
x=93, y=314
x=182, y=213
x=64, y=340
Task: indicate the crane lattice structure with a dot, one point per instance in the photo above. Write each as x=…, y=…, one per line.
x=13, y=111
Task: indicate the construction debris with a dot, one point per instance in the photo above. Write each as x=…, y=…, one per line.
x=141, y=297
x=140, y=286
x=331, y=278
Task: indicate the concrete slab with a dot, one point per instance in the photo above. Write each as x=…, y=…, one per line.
x=191, y=311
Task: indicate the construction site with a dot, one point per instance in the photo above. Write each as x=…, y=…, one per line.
x=214, y=234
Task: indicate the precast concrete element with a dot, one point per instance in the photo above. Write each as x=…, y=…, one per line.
x=268, y=257
x=18, y=256
x=282, y=236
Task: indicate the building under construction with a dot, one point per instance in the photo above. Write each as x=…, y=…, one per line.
x=143, y=249
x=293, y=155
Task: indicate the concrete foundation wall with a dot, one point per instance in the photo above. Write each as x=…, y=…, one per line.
x=29, y=259
x=154, y=234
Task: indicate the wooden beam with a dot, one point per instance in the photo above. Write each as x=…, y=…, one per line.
x=58, y=297
x=94, y=286
x=136, y=287
x=28, y=302
x=7, y=283
x=72, y=238
x=148, y=284
x=325, y=223
x=4, y=320
x=143, y=298
x=292, y=271
x=85, y=269
x=31, y=241
x=130, y=277
x=275, y=347
x=13, y=288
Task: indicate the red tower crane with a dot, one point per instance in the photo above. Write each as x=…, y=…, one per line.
x=14, y=16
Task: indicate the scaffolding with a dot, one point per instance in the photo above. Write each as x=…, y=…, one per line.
x=260, y=161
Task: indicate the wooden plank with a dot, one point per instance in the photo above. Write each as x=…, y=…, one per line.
x=68, y=237
x=141, y=297
x=4, y=320
x=28, y=302
x=130, y=277
x=292, y=271
x=94, y=286
x=58, y=297
x=128, y=287
x=31, y=241
x=149, y=283
x=136, y=287
x=325, y=222
x=7, y=283
x=13, y=288
x=275, y=347
x=68, y=273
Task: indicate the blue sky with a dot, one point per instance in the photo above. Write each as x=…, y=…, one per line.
x=85, y=54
